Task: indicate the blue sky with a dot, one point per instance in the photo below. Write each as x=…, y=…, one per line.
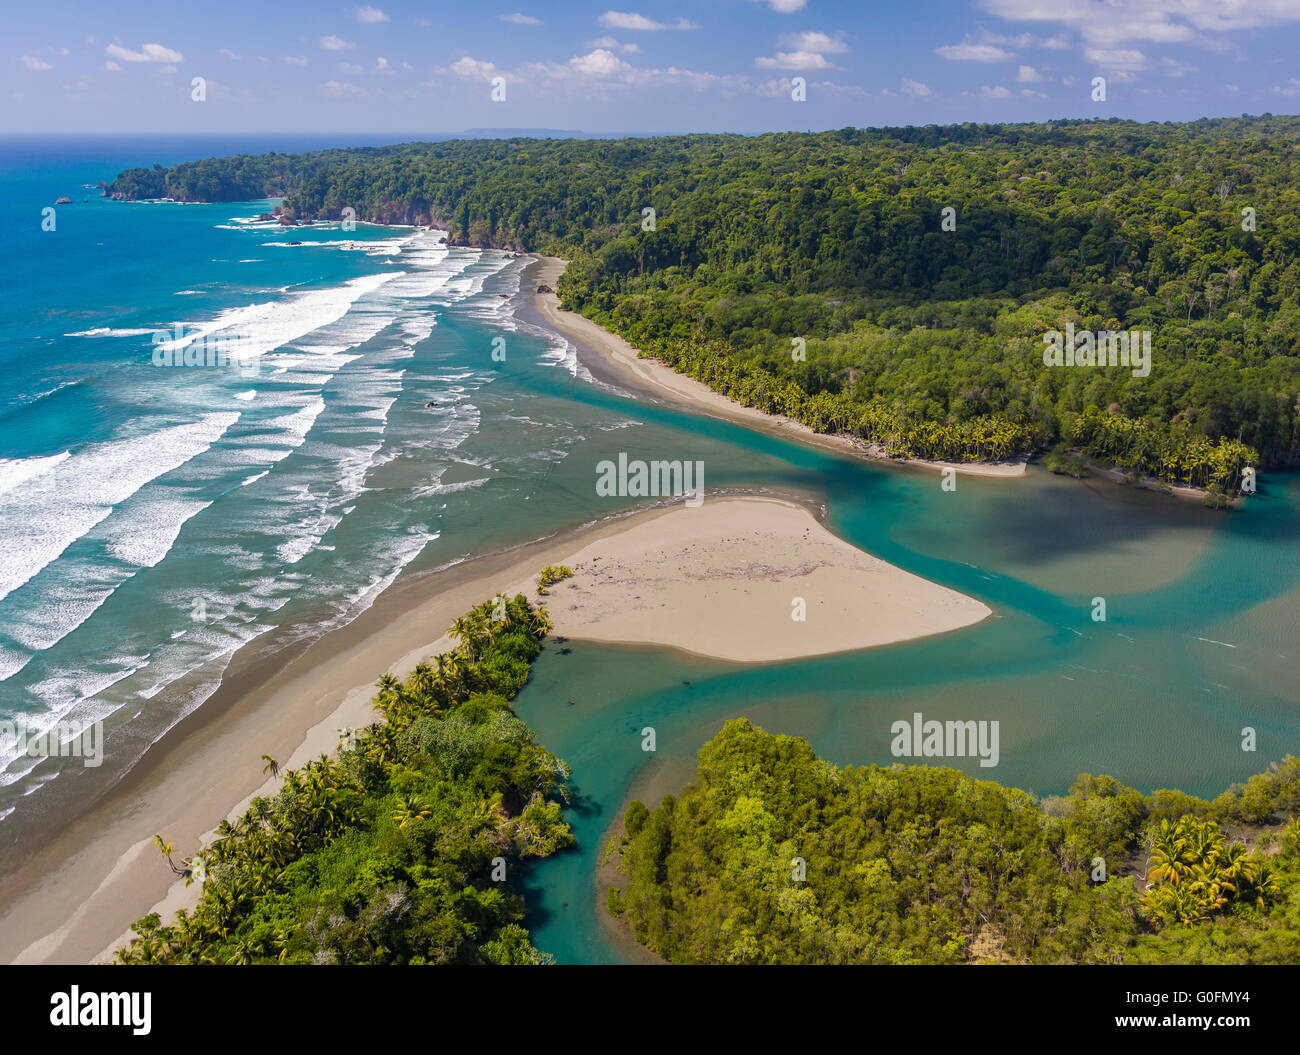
x=410, y=68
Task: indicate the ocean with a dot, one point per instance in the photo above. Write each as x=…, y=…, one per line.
x=257, y=476
x=156, y=520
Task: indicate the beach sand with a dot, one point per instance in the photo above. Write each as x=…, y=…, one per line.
x=652, y=376
x=718, y=580
x=749, y=580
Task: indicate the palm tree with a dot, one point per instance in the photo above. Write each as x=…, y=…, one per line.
x=423, y=679
x=1204, y=841
x=243, y=953
x=411, y=809
x=1235, y=868
x=272, y=766
x=1173, y=903
x=541, y=621
x=1265, y=885
x=463, y=630
x=1168, y=860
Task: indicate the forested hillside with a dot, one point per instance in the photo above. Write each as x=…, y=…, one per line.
x=774, y=856
x=813, y=274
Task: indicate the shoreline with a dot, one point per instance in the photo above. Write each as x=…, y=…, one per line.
x=64, y=902
x=290, y=705
x=74, y=899
x=104, y=863
x=617, y=360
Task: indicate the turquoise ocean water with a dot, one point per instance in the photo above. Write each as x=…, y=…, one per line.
x=154, y=519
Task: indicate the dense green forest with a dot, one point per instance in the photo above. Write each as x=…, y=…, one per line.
x=915, y=864
x=401, y=848
x=814, y=275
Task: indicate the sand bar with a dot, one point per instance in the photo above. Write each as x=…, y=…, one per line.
x=749, y=580
x=718, y=580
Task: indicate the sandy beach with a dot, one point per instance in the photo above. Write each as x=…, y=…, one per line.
x=652, y=376
x=747, y=580
x=704, y=579
x=741, y=578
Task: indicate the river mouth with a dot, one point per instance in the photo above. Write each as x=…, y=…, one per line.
x=1157, y=695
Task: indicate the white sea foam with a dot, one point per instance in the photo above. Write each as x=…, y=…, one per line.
x=14, y=471
x=298, y=505
x=146, y=532
x=262, y=328
x=106, y=331
x=45, y=514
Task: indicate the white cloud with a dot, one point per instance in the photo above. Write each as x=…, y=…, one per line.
x=818, y=42
x=784, y=7
x=909, y=87
x=370, y=14
x=1174, y=68
x=62, y=51
x=147, y=53
x=969, y=52
x=113, y=66
x=600, y=64
x=351, y=68
x=794, y=60
x=33, y=63
x=521, y=20
x=1111, y=22
x=996, y=92
x=1116, y=58
x=338, y=89
x=1028, y=75
x=1291, y=87
x=468, y=67
x=611, y=43
x=598, y=69
x=229, y=54
x=630, y=20
x=296, y=60
x=381, y=65
x=333, y=43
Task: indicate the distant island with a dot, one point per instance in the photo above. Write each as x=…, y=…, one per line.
x=896, y=284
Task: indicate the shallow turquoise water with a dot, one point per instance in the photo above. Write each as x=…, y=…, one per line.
x=1198, y=643
x=333, y=477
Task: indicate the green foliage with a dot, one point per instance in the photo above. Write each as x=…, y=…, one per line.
x=914, y=864
x=385, y=853
x=551, y=575
x=1195, y=873
x=635, y=817
x=1065, y=463
x=920, y=342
